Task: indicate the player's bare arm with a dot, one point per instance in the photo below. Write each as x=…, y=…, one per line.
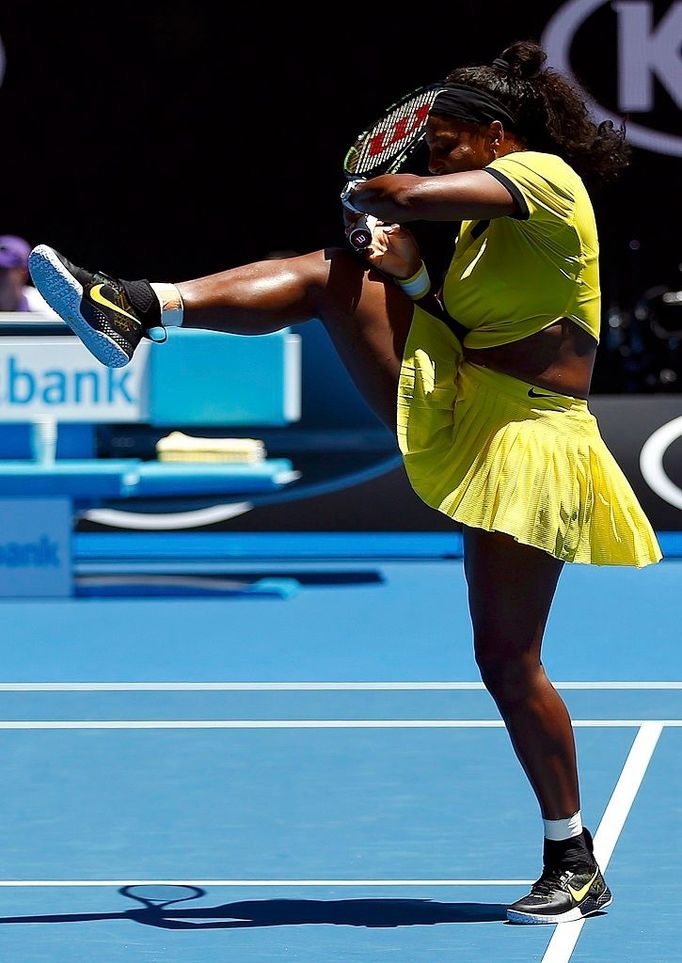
x=401, y=198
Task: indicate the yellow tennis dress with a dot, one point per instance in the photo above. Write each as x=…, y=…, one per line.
x=492, y=451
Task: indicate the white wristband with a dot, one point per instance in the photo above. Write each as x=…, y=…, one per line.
x=416, y=286
x=170, y=300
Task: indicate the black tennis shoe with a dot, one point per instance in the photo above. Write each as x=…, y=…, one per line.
x=564, y=893
x=95, y=306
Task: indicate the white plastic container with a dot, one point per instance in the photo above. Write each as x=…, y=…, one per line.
x=44, y=440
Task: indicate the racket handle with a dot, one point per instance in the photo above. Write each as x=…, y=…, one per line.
x=361, y=235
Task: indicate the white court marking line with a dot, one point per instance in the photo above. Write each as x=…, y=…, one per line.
x=300, y=686
x=605, y=840
x=318, y=724
x=565, y=937
x=264, y=882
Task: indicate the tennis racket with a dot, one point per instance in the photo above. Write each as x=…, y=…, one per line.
x=386, y=146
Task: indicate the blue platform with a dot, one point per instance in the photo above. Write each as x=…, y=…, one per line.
x=94, y=479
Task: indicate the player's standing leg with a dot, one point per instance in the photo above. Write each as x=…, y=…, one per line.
x=511, y=587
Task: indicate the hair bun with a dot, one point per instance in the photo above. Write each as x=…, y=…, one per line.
x=523, y=59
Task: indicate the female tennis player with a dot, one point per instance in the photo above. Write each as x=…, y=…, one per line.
x=486, y=383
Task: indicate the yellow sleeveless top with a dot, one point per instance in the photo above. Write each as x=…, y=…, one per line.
x=510, y=277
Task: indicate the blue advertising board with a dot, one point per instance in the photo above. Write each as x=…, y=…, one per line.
x=35, y=547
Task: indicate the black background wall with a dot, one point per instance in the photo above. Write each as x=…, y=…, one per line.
x=171, y=140
x=174, y=139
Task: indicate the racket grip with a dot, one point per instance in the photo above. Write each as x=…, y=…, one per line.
x=361, y=235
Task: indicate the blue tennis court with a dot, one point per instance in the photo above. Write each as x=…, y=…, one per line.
x=282, y=314
x=317, y=773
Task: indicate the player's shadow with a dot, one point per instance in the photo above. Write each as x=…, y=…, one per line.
x=346, y=912
x=375, y=913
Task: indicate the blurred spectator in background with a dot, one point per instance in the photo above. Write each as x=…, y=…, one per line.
x=16, y=294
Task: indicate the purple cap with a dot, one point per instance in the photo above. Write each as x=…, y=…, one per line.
x=14, y=251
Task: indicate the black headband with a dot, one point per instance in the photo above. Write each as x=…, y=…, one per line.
x=467, y=103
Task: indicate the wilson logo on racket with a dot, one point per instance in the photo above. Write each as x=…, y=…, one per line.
x=403, y=129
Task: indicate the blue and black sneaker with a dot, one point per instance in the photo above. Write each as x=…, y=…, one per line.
x=568, y=890
x=97, y=307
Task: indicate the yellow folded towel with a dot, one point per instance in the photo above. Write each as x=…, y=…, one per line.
x=180, y=447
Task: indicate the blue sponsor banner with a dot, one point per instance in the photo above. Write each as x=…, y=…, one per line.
x=60, y=378
x=206, y=378
x=35, y=547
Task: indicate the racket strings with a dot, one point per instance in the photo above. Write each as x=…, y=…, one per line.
x=397, y=132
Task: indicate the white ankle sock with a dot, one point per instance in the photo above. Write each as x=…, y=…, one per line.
x=558, y=829
x=170, y=299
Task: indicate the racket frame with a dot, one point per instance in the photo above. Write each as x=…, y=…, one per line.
x=360, y=236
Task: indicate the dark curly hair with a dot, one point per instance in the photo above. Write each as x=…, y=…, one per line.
x=552, y=114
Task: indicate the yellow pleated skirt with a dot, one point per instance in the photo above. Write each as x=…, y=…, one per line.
x=494, y=452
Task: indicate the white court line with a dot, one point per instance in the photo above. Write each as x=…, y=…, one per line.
x=300, y=686
x=264, y=882
x=310, y=723
x=317, y=724
x=259, y=724
x=618, y=685
x=562, y=944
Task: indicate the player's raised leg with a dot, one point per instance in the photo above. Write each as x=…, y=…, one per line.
x=366, y=315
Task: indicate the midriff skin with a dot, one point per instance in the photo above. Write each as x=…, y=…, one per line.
x=560, y=358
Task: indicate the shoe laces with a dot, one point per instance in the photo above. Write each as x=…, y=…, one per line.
x=550, y=880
